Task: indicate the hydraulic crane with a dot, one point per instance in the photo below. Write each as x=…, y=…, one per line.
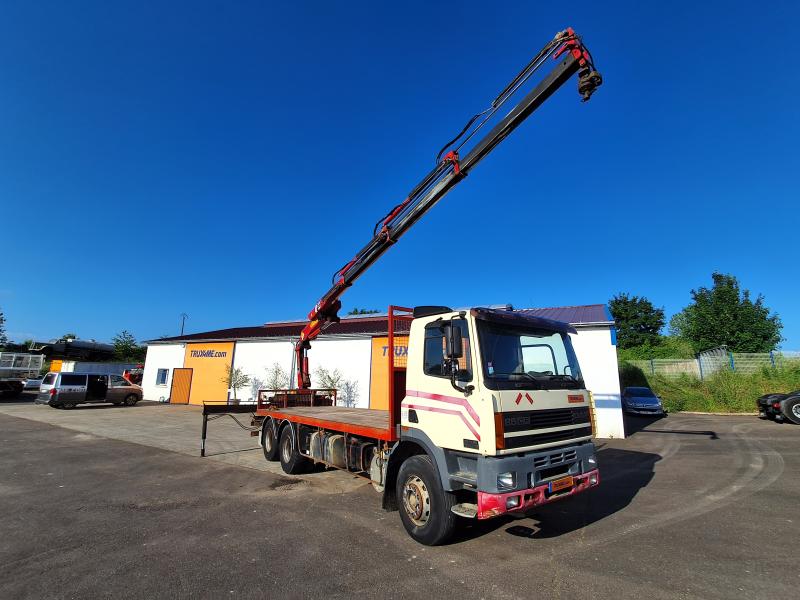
x=572, y=56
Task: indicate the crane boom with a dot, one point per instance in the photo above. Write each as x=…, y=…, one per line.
x=450, y=170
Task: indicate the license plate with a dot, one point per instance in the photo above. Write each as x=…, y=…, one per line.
x=560, y=484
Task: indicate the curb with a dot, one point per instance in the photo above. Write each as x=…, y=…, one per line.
x=719, y=414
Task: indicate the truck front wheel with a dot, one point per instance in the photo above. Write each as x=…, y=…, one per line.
x=424, y=505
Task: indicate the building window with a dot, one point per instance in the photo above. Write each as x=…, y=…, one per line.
x=161, y=376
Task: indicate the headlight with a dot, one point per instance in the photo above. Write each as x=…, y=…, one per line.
x=506, y=481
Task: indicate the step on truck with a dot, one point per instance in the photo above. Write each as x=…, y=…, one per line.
x=487, y=415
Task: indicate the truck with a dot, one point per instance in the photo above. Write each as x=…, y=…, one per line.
x=15, y=368
x=488, y=413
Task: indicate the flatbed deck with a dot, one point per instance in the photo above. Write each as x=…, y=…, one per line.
x=360, y=421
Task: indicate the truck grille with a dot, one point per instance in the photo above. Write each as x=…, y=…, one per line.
x=556, y=458
x=546, y=438
x=542, y=419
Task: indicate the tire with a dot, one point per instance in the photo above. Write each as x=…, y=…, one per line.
x=270, y=441
x=68, y=405
x=292, y=462
x=424, y=506
x=791, y=410
x=131, y=400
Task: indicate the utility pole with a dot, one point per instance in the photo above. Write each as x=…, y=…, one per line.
x=184, y=316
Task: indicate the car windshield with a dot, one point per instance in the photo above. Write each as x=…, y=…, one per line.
x=49, y=379
x=514, y=356
x=641, y=392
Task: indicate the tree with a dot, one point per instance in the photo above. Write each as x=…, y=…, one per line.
x=126, y=349
x=68, y=336
x=255, y=385
x=235, y=379
x=363, y=311
x=638, y=321
x=347, y=392
x=277, y=378
x=3, y=337
x=726, y=315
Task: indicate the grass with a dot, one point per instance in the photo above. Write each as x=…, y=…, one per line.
x=724, y=391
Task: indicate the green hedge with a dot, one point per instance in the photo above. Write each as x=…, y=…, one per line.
x=724, y=391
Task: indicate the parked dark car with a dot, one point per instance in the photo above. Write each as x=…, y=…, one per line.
x=780, y=407
x=66, y=390
x=642, y=401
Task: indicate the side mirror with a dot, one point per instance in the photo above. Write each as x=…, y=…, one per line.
x=454, y=345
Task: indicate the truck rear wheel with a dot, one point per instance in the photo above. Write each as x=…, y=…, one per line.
x=424, y=504
x=292, y=462
x=270, y=441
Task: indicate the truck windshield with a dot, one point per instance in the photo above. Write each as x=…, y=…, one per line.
x=515, y=357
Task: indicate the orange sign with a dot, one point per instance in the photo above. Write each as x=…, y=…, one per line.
x=56, y=365
x=210, y=363
x=379, y=376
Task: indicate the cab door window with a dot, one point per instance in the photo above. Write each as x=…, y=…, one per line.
x=117, y=381
x=434, y=360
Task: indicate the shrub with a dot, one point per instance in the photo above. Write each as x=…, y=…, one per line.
x=724, y=391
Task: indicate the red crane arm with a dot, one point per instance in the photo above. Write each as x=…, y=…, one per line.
x=450, y=170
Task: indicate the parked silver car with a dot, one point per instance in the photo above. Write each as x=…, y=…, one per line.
x=642, y=401
x=32, y=384
x=67, y=390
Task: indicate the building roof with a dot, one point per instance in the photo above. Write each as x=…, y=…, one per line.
x=376, y=324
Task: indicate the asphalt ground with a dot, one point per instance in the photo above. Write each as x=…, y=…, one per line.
x=689, y=507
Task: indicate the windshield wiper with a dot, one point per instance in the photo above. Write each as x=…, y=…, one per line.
x=528, y=375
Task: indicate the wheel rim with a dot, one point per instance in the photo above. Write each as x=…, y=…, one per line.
x=286, y=449
x=796, y=410
x=416, y=500
x=268, y=439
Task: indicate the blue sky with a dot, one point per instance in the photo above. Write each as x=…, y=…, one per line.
x=222, y=159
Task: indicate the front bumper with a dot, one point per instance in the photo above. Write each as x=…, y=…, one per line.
x=656, y=410
x=492, y=505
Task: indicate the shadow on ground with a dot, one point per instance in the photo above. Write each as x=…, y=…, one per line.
x=631, y=470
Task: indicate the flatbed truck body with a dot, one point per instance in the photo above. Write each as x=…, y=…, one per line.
x=503, y=434
x=15, y=368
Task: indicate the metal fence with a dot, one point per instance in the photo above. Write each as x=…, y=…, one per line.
x=718, y=359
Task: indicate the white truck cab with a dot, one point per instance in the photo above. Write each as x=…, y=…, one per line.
x=497, y=399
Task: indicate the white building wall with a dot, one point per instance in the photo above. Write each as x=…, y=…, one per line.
x=352, y=357
x=254, y=358
x=160, y=356
x=597, y=356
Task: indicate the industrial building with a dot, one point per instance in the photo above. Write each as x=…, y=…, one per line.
x=192, y=368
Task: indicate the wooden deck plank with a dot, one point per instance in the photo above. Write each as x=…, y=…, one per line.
x=365, y=417
x=358, y=421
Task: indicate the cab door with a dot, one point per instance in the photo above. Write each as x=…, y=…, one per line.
x=448, y=416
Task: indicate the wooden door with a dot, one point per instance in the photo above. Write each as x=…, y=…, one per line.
x=181, y=386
